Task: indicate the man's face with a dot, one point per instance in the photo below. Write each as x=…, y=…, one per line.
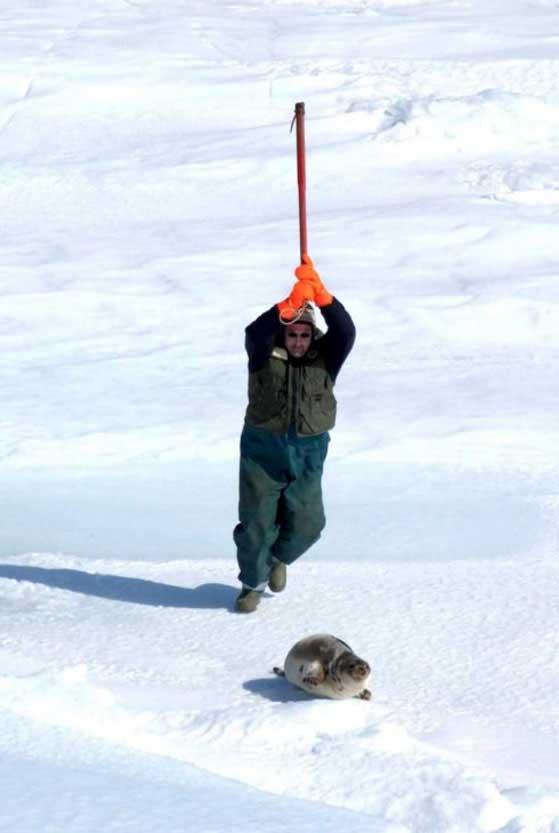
x=298, y=339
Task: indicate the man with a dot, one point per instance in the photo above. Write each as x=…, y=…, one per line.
x=291, y=408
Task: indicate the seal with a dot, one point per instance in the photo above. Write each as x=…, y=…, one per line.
x=325, y=665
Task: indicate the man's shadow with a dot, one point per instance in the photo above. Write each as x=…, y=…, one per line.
x=125, y=588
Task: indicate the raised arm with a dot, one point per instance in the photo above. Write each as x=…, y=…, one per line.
x=260, y=338
x=339, y=339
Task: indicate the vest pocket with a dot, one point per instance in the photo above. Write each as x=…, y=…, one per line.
x=267, y=399
x=318, y=412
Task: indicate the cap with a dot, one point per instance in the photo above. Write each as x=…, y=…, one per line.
x=305, y=316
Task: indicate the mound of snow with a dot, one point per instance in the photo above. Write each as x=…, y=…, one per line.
x=489, y=121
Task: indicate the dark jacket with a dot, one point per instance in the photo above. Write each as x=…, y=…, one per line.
x=286, y=393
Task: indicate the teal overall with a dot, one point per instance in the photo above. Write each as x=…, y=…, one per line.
x=281, y=513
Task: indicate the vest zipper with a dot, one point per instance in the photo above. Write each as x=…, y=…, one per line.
x=295, y=396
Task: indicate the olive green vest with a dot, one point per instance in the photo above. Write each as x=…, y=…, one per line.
x=282, y=393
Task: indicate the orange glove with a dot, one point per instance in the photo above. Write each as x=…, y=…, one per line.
x=306, y=273
x=300, y=294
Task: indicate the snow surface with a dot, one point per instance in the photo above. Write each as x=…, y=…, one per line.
x=148, y=212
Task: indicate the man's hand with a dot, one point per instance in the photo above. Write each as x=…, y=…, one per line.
x=307, y=274
x=300, y=294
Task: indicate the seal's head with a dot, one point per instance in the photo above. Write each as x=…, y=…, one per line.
x=351, y=668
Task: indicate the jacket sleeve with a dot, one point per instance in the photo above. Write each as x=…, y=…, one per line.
x=260, y=338
x=339, y=339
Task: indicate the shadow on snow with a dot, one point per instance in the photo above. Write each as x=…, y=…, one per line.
x=125, y=588
x=276, y=689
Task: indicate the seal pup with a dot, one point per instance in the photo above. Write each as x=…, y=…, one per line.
x=325, y=665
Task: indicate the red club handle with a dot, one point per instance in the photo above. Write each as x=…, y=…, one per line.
x=299, y=120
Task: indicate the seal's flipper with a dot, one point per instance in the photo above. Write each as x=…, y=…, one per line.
x=313, y=672
x=279, y=671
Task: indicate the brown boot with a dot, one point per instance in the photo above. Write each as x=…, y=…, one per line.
x=247, y=600
x=278, y=577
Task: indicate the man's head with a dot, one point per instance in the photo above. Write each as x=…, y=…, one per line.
x=298, y=338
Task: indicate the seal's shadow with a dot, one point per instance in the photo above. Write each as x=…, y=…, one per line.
x=125, y=588
x=276, y=689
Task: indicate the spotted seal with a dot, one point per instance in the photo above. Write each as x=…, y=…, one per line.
x=325, y=665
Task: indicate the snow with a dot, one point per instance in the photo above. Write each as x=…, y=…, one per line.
x=150, y=659
x=148, y=212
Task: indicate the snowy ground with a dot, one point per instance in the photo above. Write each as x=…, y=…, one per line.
x=148, y=662
x=148, y=212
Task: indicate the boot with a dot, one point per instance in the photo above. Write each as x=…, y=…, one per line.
x=247, y=600
x=278, y=577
